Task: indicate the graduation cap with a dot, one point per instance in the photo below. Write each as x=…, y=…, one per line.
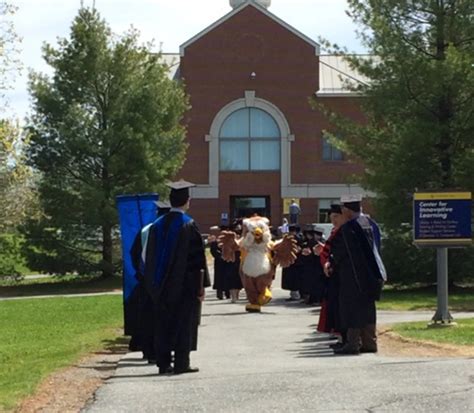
x=347, y=199
x=314, y=229
x=163, y=207
x=352, y=201
x=335, y=209
x=294, y=227
x=179, y=194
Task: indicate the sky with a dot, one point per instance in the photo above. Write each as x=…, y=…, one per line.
x=168, y=22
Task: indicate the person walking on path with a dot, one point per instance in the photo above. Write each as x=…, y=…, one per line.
x=175, y=277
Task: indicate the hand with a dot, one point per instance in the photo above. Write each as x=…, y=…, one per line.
x=202, y=295
x=211, y=238
x=306, y=252
x=317, y=249
x=327, y=269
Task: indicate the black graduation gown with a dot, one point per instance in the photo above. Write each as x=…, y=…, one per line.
x=132, y=305
x=143, y=326
x=312, y=279
x=358, y=276
x=291, y=276
x=175, y=299
x=233, y=278
x=220, y=268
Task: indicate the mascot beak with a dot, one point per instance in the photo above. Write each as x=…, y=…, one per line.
x=258, y=235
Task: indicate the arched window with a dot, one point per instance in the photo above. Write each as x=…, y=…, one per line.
x=249, y=140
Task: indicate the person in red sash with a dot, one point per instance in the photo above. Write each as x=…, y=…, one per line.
x=329, y=314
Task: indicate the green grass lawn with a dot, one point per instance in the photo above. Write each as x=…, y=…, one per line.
x=67, y=284
x=463, y=334
x=460, y=299
x=39, y=336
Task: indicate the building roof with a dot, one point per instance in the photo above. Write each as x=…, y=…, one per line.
x=249, y=3
x=334, y=73
x=172, y=61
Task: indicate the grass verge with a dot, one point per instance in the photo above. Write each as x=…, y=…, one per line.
x=425, y=298
x=40, y=336
x=462, y=334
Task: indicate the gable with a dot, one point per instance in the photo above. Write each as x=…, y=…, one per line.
x=238, y=10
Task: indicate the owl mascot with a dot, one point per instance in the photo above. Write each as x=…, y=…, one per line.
x=259, y=257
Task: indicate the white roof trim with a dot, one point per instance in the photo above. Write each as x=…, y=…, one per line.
x=338, y=94
x=237, y=10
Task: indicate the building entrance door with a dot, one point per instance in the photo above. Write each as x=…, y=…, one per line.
x=246, y=206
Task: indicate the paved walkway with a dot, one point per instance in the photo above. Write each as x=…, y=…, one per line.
x=276, y=362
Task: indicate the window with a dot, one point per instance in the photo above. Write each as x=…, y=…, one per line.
x=249, y=140
x=330, y=152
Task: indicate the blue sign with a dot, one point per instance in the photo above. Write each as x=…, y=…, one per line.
x=442, y=218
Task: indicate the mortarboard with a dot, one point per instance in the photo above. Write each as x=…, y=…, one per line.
x=179, y=194
x=352, y=202
x=163, y=205
x=336, y=209
x=294, y=227
x=350, y=198
x=314, y=228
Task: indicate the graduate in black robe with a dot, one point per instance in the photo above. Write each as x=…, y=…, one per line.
x=220, y=268
x=292, y=275
x=175, y=277
x=312, y=276
x=360, y=281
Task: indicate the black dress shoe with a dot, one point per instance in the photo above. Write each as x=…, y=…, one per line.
x=336, y=345
x=346, y=351
x=368, y=350
x=165, y=370
x=186, y=370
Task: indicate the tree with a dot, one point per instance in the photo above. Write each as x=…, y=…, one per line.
x=418, y=101
x=106, y=123
x=17, y=184
x=9, y=41
x=17, y=196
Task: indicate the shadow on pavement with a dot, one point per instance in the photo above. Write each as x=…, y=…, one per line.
x=137, y=376
x=316, y=344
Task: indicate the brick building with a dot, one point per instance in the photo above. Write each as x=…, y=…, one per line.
x=254, y=140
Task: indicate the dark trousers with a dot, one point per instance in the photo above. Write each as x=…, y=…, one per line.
x=181, y=360
x=364, y=338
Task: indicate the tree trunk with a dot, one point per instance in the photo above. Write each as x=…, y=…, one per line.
x=107, y=265
x=445, y=104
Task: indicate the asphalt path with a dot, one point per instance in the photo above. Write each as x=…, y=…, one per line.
x=277, y=362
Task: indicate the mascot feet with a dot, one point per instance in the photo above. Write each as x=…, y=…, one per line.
x=265, y=297
x=252, y=308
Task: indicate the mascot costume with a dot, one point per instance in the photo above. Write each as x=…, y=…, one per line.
x=259, y=257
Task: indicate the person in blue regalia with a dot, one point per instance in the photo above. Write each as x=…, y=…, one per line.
x=175, y=276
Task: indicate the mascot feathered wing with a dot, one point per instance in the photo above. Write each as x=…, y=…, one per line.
x=259, y=257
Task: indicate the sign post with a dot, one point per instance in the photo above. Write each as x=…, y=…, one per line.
x=442, y=220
